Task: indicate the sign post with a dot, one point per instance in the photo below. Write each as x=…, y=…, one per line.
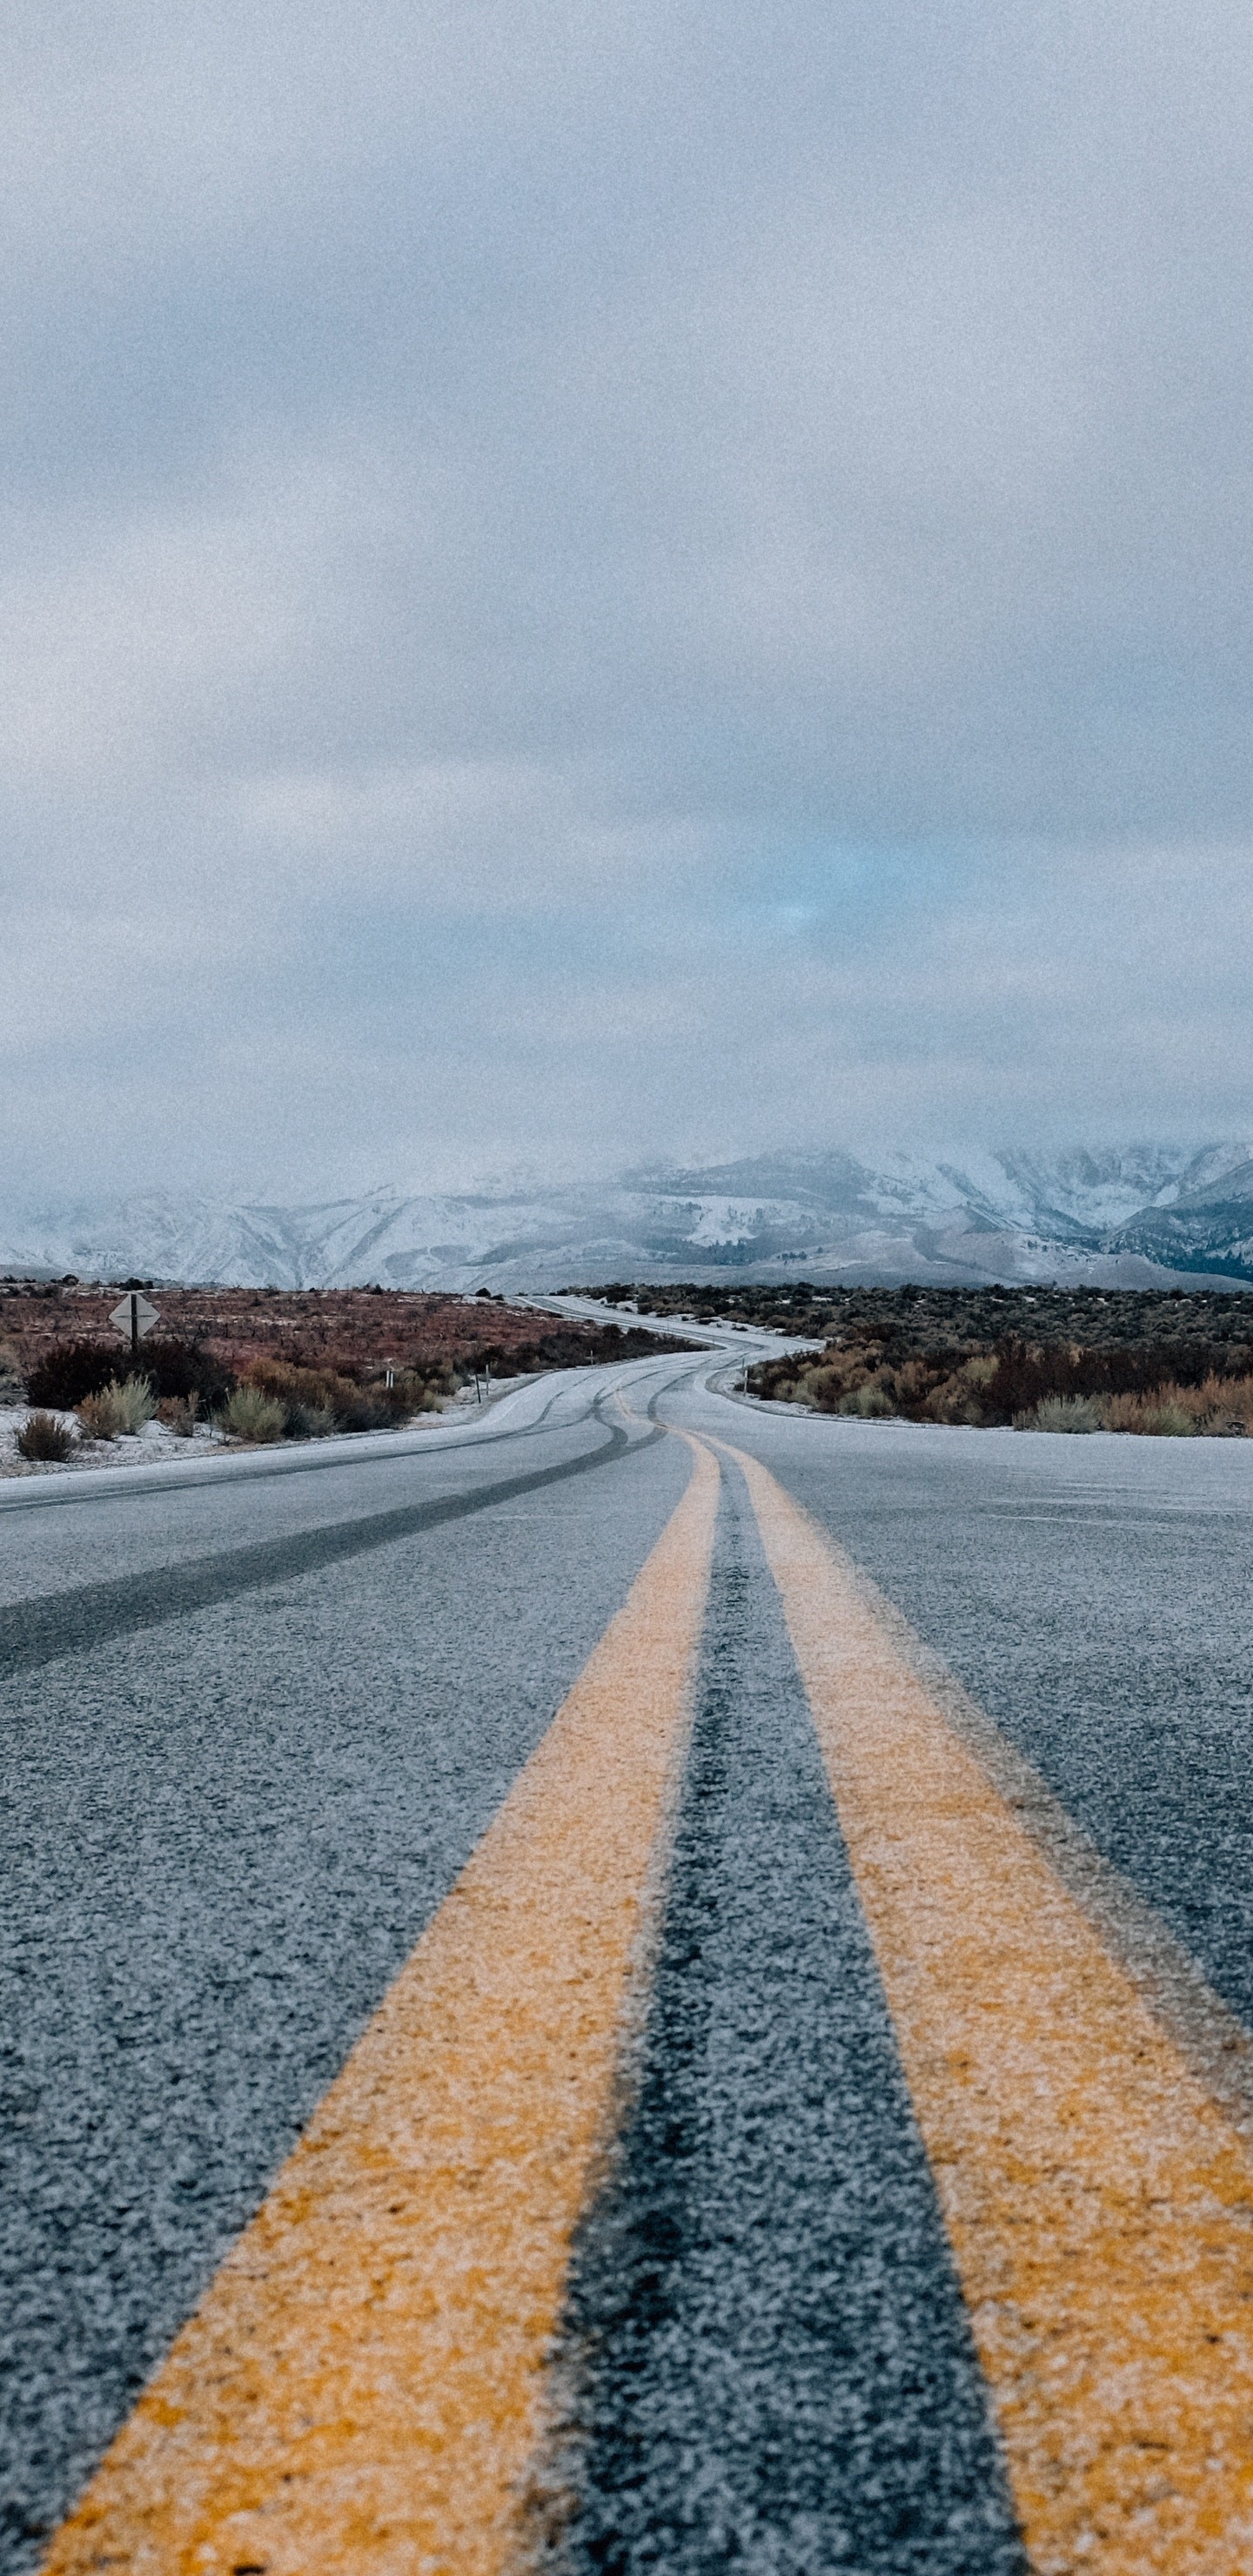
x=133, y=1318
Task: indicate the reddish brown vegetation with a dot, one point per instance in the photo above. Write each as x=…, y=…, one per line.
x=350, y=1334
x=1126, y=1387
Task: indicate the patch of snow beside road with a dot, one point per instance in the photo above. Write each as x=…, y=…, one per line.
x=157, y=1445
x=139, y=1449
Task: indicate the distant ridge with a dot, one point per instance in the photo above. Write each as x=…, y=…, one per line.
x=1142, y=1216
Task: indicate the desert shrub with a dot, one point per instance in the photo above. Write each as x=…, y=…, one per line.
x=418, y=1394
x=953, y=1400
x=70, y=1370
x=1231, y=1403
x=1061, y=1413
x=178, y=1413
x=821, y=1388
x=121, y=1407
x=980, y=1370
x=101, y=1414
x=1165, y=1388
x=42, y=1436
x=249, y=1414
x=292, y=1383
x=312, y=1401
x=309, y=1421
x=1122, y=1413
x=1026, y=1373
x=1169, y=1421
x=367, y=1409
x=775, y=1379
x=822, y=1383
x=138, y=1401
x=870, y=1402
x=1171, y=1412
x=318, y=1400
x=185, y=1370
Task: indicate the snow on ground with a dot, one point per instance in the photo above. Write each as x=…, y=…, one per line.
x=142, y=1449
x=157, y=1442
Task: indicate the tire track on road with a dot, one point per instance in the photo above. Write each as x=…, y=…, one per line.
x=41, y=1631
x=361, y=2388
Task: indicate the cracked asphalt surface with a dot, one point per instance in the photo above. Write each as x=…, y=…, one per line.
x=253, y=1729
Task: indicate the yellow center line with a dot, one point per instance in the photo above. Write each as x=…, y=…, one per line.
x=1099, y=2205
x=360, y=2389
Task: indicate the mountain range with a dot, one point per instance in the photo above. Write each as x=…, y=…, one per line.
x=1142, y=1216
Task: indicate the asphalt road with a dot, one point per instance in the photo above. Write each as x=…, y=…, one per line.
x=256, y=1724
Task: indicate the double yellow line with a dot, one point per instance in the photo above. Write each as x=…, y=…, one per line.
x=1098, y=2202
x=363, y=2386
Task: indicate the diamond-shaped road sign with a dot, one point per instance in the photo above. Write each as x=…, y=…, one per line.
x=134, y=1317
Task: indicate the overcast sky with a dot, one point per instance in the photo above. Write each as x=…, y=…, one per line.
x=585, y=583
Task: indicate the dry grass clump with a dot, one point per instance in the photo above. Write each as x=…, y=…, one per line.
x=119, y=1409
x=43, y=1437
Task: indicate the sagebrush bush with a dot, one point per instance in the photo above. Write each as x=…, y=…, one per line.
x=417, y=1394
x=980, y=1370
x=248, y=1414
x=119, y=1409
x=138, y=1401
x=870, y=1402
x=42, y=1436
x=100, y=1414
x=1061, y=1413
x=824, y=1383
x=315, y=1400
x=1170, y=1421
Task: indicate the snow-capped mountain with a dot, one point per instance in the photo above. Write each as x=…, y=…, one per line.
x=1146, y=1215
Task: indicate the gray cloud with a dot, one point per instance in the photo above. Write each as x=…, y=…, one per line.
x=579, y=583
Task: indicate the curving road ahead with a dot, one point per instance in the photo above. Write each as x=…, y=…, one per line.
x=642, y=1983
